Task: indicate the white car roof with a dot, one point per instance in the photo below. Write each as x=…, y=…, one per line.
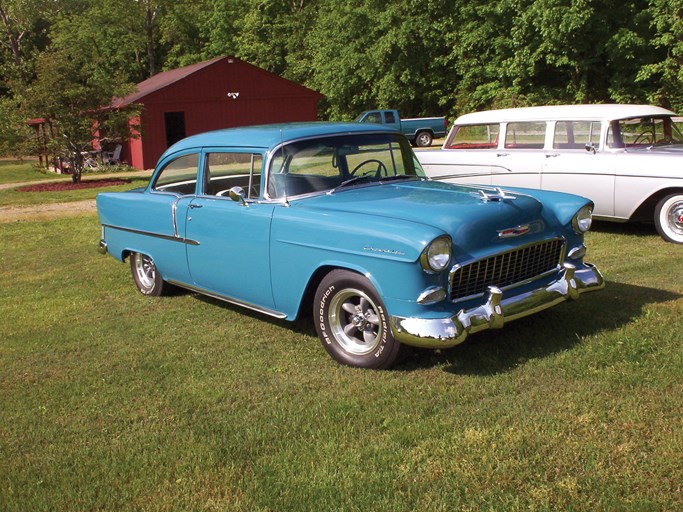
x=563, y=113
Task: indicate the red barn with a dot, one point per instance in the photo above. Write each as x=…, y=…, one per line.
x=220, y=93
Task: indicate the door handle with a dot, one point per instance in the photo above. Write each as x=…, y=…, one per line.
x=502, y=154
x=193, y=206
x=551, y=155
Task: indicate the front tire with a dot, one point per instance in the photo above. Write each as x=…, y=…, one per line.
x=669, y=218
x=352, y=323
x=146, y=277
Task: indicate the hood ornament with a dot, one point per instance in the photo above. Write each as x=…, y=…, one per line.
x=496, y=196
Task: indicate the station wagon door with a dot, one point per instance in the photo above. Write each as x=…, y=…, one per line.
x=570, y=167
x=520, y=160
x=232, y=257
x=466, y=157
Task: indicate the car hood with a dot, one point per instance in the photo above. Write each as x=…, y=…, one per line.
x=457, y=210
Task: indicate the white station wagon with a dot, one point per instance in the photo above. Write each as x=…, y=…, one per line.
x=628, y=159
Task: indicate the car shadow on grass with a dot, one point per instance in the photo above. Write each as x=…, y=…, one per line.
x=493, y=352
x=638, y=229
x=549, y=332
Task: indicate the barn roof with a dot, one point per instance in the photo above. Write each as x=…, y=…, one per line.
x=166, y=78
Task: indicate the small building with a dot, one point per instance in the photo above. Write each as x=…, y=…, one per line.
x=223, y=92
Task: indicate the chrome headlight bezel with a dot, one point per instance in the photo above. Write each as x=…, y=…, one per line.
x=436, y=256
x=582, y=220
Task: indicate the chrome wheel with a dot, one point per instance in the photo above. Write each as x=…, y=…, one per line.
x=145, y=270
x=354, y=321
x=146, y=275
x=669, y=218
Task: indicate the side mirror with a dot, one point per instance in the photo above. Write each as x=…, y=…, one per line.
x=237, y=195
x=590, y=147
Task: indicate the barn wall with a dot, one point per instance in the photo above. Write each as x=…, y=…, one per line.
x=223, y=95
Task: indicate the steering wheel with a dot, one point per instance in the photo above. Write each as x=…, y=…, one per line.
x=650, y=134
x=378, y=172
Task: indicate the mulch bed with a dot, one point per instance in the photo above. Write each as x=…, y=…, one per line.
x=61, y=185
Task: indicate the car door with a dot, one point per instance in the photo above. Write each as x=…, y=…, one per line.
x=232, y=254
x=570, y=167
x=519, y=161
x=466, y=157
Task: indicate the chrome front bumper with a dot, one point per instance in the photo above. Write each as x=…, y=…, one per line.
x=448, y=332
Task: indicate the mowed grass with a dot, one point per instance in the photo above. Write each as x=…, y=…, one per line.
x=12, y=171
x=113, y=401
x=18, y=197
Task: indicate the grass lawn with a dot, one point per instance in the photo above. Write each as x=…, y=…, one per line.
x=114, y=401
x=24, y=170
x=16, y=197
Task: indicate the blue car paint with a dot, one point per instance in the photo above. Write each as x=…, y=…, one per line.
x=265, y=254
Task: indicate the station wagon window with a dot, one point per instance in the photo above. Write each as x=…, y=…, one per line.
x=526, y=135
x=576, y=134
x=179, y=175
x=227, y=170
x=475, y=136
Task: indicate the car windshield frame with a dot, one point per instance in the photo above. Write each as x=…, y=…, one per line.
x=327, y=164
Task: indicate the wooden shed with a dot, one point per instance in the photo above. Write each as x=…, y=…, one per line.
x=220, y=93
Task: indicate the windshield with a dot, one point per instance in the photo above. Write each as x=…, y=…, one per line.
x=644, y=132
x=330, y=163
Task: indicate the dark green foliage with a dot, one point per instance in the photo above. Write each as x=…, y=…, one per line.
x=427, y=57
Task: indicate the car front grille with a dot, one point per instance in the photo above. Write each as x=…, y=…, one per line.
x=505, y=269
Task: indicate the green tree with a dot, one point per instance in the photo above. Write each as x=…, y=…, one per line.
x=667, y=43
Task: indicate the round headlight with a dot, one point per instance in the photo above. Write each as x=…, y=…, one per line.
x=437, y=255
x=582, y=220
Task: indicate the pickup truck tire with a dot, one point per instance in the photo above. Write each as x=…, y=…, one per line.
x=146, y=276
x=669, y=218
x=423, y=139
x=352, y=322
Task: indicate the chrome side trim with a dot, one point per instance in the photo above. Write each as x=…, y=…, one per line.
x=174, y=238
x=258, y=309
x=495, y=310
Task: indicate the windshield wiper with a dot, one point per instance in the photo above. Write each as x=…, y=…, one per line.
x=397, y=177
x=350, y=181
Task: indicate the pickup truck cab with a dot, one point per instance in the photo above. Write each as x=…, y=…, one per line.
x=420, y=131
x=628, y=159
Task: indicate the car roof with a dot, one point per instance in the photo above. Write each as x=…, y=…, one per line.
x=271, y=135
x=606, y=112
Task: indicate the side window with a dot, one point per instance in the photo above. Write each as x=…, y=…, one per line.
x=179, y=175
x=526, y=135
x=374, y=118
x=389, y=117
x=576, y=134
x=475, y=136
x=227, y=170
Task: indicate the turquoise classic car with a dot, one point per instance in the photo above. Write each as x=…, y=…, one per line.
x=338, y=221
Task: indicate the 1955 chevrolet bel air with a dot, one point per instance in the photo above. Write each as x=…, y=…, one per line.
x=339, y=220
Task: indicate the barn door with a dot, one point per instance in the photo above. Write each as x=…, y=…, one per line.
x=175, y=127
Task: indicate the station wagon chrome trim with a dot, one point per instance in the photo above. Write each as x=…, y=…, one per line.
x=173, y=238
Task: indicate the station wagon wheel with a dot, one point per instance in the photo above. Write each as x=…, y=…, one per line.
x=669, y=218
x=423, y=139
x=146, y=276
x=352, y=322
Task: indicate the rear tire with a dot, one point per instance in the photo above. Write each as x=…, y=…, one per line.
x=146, y=277
x=423, y=139
x=352, y=322
x=669, y=218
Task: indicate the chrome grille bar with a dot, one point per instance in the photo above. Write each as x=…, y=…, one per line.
x=506, y=269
